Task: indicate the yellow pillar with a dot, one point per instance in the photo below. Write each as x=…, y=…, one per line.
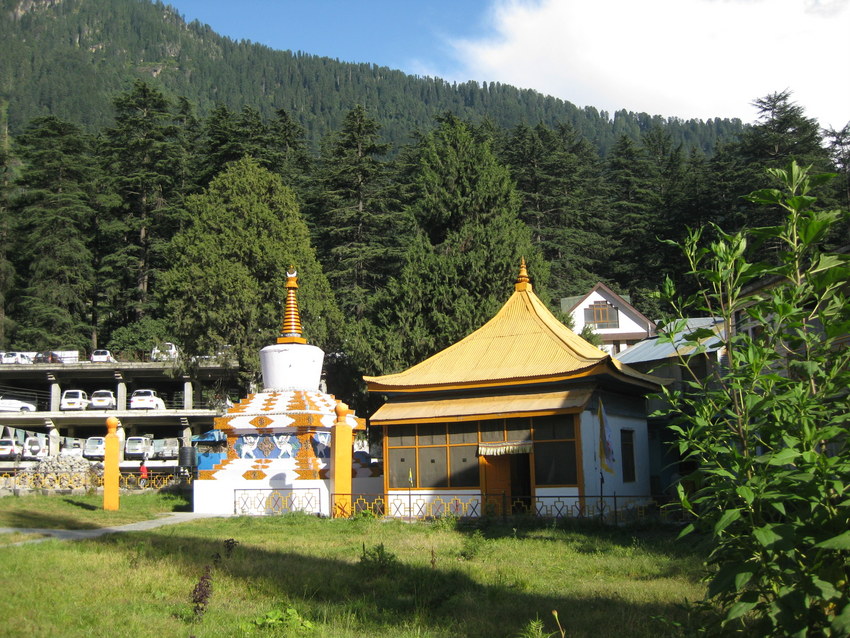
x=342, y=444
x=111, y=471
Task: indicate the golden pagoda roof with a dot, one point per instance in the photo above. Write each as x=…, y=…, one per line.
x=523, y=343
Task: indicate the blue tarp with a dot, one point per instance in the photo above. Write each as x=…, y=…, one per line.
x=209, y=437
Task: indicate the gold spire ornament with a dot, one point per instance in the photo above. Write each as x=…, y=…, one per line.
x=290, y=331
x=523, y=282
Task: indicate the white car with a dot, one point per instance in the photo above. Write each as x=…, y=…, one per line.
x=138, y=447
x=16, y=357
x=10, y=449
x=74, y=400
x=13, y=405
x=146, y=400
x=103, y=400
x=95, y=447
x=102, y=356
x=165, y=352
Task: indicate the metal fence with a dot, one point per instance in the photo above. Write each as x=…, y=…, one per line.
x=416, y=506
x=86, y=480
x=276, y=501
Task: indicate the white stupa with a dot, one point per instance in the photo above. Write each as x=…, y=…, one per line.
x=289, y=446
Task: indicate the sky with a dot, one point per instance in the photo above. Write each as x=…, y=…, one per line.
x=675, y=58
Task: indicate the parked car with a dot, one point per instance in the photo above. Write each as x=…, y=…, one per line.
x=74, y=400
x=95, y=447
x=13, y=405
x=146, y=400
x=10, y=449
x=137, y=447
x=103, y=400
x=34, y=448
x=47, y=357
x=165, y=449
x=16, y=357
x=75, y=448
x=102, y=356
x=165, y=352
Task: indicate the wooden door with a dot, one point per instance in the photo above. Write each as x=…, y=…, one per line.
x=497, y=484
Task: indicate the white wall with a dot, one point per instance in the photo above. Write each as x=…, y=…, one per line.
x=613, y=482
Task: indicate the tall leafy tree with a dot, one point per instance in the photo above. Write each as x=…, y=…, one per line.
x=464, y=253
x=56, y=211
x=143, y=155
x=228, y=268
x=7, y=268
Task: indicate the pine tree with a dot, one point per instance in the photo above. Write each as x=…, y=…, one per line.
x=143, y=155
x=228, y=268
x=463, y=255
x=55, y=209
x=359, y=231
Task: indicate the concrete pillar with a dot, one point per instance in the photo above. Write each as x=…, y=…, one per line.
x=122, y=395
x=188, y=394
x=55, y=396
x=187, y=436
x=52, y=439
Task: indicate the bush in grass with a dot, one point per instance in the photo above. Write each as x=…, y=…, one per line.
x=768, y=433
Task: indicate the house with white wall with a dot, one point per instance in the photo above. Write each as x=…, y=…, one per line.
x=611, y=316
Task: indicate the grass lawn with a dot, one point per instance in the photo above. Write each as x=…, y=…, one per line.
x=85, y=511
x=298, y=575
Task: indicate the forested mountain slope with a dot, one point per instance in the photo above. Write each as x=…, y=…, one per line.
x=69, y=58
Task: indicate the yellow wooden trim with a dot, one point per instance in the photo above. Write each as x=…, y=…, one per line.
x=483, y=417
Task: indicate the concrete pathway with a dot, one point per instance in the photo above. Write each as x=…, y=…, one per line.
x=78, y=534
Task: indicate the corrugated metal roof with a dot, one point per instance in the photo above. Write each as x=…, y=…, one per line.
x=652, y=349
x=522, y=341
x=466, y=408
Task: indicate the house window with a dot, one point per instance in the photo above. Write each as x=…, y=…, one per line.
x=601, y=314
x=627, y=451
x=555, y=463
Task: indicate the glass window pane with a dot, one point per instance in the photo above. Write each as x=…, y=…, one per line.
x=432, y=434
x=402, y=464
x=463, y=432
x=432, y=467
x=518, y=429
x=555, y=463
x=558, y=426
x=493, y=430
x=627, y=450
x=399, y=435
x=464, y=465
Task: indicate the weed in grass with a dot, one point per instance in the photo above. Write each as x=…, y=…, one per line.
x=286, y=621
x=202, y=593
x=472, y=545
x=377, y=560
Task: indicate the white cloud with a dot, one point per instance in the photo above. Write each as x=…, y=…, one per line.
x=683, y=58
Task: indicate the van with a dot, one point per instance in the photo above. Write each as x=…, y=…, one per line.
x=74, y=400
x=95, y=447
x=137, y=447
x=166, y=448
x=34, y=448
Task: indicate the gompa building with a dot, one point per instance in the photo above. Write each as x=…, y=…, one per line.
x=520, y=415
x=288, y=447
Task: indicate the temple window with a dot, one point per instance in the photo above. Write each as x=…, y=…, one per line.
x=601, y=314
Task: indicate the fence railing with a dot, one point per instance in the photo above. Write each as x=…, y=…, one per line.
x=276, y=501
x=86, y=480
x=609, y=507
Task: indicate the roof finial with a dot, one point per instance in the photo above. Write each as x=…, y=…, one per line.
x=522, y=282
x=290, y=331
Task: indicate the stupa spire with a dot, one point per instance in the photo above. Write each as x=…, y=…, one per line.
x=523, y=282
x=290, y=331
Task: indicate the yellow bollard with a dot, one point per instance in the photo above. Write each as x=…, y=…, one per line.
x=342, y=440
x=111, y=471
